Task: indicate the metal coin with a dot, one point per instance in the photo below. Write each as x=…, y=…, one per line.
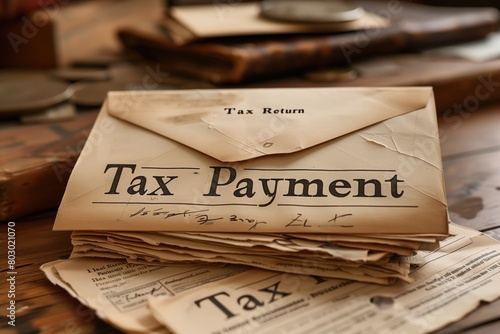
x=314, y=11
x=29, y=95
x=77, y=74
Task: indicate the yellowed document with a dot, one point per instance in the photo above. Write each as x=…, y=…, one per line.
x=448, y=285
x=323, y=259
x=240, y=19
x=118, y=291
x=308, y=160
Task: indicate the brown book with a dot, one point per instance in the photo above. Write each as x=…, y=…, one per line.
x=35, y=164
x=236, y=59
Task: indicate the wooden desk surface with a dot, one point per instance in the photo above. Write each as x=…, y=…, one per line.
x=471, y=154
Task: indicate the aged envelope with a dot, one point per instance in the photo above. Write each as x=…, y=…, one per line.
x=243, y=19
x=290, y=160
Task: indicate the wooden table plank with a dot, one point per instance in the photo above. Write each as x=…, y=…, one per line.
x=471, y=157
x=42, y=307
x=487, y=313
x=469, y=133
x=495, y=233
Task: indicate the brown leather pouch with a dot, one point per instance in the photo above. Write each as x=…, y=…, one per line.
x=246, y=58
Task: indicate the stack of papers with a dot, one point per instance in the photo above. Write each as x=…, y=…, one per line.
x=190, y=23
x=449, y=283
x=361, y=258
x=334, y=182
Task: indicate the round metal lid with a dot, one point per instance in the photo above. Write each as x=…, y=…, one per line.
x=313, y=11
x=31, y=94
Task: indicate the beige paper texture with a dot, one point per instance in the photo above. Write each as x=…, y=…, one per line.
x=452, y=282
x=449, y=283
x=222, y=19
x=118, y=291
x=295, y=160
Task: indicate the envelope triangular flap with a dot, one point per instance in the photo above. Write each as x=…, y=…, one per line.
x=240, y=124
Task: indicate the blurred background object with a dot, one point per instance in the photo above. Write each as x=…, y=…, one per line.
x=230, y=43
x=56, y=33
x=27, y=33
x=461, y=3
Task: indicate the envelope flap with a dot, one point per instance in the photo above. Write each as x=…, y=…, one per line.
x=241, y=124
